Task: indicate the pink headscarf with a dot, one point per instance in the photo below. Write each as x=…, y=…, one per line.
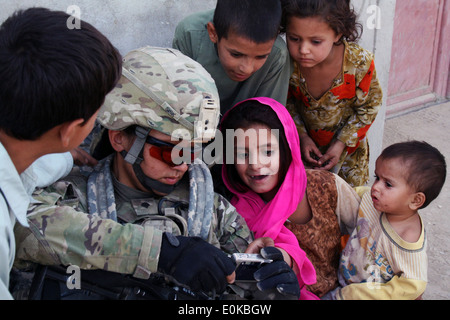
x=267, y=220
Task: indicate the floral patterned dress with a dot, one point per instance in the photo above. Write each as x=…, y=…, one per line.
x=345, y=112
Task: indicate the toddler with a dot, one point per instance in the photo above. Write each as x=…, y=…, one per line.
x=385, y=256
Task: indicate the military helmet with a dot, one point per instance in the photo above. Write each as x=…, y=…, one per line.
x=165, y=90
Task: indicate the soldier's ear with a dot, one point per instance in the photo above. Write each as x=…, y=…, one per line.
x=118, y=140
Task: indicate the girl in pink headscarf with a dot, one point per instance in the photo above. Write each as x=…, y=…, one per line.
x=302, y=211
x=267, y=177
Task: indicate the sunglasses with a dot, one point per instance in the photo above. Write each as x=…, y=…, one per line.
x=163, y=151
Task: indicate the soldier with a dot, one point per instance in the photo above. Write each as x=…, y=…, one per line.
x=144, y=214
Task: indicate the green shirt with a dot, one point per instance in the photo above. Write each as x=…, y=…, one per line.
x=271, y=80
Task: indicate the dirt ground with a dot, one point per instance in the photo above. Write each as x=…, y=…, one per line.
x=430, y=124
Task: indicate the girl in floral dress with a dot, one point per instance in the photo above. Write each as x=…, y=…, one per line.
x=334, y=94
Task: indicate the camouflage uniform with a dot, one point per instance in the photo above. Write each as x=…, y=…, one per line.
x=125, y=236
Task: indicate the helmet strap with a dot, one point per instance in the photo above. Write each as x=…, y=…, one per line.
x=152, y=184
x=134, y=155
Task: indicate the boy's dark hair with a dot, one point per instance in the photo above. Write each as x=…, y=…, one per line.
x=425, y=166
x=256, y=20
x=243, y=116
x=336, y=13
x=51, y=74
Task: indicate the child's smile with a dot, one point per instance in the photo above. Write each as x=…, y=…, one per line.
x=257, y=159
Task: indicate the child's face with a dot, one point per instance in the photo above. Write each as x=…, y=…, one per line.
x=239, y=56
x=257, y=159
x=390, y=192
x=310, y=40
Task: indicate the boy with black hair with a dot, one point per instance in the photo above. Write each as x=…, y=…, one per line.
x=54, y=81
x=238, y=44
x=385, y=256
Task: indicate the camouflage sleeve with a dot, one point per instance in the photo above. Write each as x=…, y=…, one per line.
x=62, y=235
x=231, y=228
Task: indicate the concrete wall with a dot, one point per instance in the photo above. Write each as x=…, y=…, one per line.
x=128, y=24
x=131, y=24
x=377, y=38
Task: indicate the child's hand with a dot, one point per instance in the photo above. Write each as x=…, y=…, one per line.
x=258, y=244
x=310, y=152
x=263, y=242
x=82, y=158
x=332, y=156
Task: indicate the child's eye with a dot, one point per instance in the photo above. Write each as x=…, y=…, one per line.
x=269, y=153
x=242, y=155
x=376, y=177
x=293, y=39
x=316, y=42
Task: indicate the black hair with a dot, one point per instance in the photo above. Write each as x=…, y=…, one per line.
x=338, y=14
x=51, y=73
x=256, y=20
x=243, y=116
x=425, y=167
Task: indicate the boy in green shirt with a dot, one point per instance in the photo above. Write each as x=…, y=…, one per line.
x=239, y=45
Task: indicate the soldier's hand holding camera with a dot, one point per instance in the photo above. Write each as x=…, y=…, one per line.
x=277, y=275
x=196, y=263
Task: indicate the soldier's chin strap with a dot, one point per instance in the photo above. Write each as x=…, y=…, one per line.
x=134, y=157
x=151, y=184
x=201, y=193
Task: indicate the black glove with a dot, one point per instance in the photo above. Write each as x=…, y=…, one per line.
x=194, y=262
x=277, y=276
